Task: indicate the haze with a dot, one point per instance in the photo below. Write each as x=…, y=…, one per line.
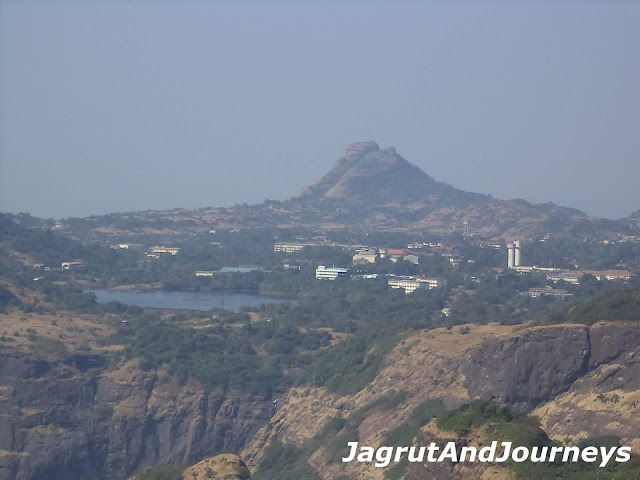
x=121, y=106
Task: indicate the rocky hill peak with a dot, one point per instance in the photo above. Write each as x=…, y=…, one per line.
x=368, y=174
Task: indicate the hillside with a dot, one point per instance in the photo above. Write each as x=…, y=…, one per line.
x=117, y=421
x=575, y=381
x=86, y=395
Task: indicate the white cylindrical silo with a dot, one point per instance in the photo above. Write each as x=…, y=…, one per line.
x=510, y=256
x=516, y=245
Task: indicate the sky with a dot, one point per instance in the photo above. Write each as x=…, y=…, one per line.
x=115, y=106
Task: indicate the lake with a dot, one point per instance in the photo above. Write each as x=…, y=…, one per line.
x=185, y=300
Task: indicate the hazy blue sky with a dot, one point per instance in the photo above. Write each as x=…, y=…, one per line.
x=120, y=106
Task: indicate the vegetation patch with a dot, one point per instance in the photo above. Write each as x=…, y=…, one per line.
x=611, y=306
x=503, y=424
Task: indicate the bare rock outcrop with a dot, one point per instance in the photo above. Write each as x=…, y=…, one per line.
x=57, y=422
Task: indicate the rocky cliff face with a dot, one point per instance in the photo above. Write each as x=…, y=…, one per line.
x=579, y=381
x=58, y=422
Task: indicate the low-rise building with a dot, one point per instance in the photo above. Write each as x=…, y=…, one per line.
x=287, y=247
x=565, y=276
x=204, y=273
x=574, y=276
x=411, y=283
x=394, y=254
x=365, y=276
x=412, y=259
x=365, y=255
x=127, y=246
x=71, y=265
x=331, y=273
x=609, y=274
x=163, y=249
x=523, y=268
x=547, y=291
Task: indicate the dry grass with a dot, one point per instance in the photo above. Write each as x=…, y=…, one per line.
x=452, y=342
x=50, y=335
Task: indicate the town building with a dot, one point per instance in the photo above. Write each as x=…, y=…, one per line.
x=411, y=284
x=523, y=268
x=204, y=273
x=287, y=247
x=394, y=254
x=163, y=249
x=71, y=265
x=412, y=259
x=565, y=276
x=547, y=291
x=365, y=255
x=331, y=273
x=610, y=274
x=366, y=276
x=575, y=276
x=127, y=246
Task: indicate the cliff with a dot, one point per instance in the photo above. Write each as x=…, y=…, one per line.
x=59, y=420
x=579, y=381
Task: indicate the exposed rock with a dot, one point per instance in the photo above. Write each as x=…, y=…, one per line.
x=59, y=423
x=529, y=368
x=588, y=377
x=368, y=174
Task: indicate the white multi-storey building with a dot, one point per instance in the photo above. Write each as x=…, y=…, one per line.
x=331, y=273
x=287, y=247
x=410, y=284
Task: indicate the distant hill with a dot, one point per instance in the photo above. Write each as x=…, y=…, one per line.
x=378, y=188
x=368, y=174
x=368, y=188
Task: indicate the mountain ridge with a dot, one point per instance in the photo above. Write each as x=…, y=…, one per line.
x=368, y=189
